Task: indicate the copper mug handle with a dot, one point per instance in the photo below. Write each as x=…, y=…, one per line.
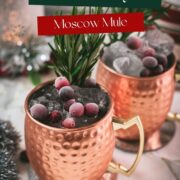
x=117, y=124
x=175, y=116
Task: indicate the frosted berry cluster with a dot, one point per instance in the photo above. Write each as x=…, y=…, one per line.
x=147, y=55
x=69, y=103
x=154, y=64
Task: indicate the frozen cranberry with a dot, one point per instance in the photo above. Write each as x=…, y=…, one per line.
x=39, y=111
x=90, y=83
x=68, y=103
x=55, y=116
x=61, y=82
x=66, y=93
x=158, y=70
x=69, y=123
x=162, y=59
x=76, y=110
x=150, y=62
x=134, y=42
x=149, y=52
x=145, y=73
x=91, y=109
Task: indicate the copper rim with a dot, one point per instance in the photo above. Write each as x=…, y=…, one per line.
x=100, y=121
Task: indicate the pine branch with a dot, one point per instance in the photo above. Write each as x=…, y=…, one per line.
x=75, y=55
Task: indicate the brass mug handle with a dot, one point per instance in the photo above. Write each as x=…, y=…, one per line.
x=175, y=116
x=177, y=77
x=117, y=124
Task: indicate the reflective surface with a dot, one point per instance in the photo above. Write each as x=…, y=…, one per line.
x=157, y=140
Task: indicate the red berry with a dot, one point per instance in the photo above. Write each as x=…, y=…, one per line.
x=150, y=62
x=69, y=123
x=162, y=59
x=66, y=93
x=55, y=116
x=76, y=110
x=158, y=70
x=90, y=83
x=145, y=73
x=61, y=82
x=39, y=112
x=91, y=109
x=149, y=52
x=134, y=42
x=68, y=103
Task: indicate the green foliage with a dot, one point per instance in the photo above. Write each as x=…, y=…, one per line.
x=29, y=52
x=9, y=147
x=34, y=77
x=76, y=55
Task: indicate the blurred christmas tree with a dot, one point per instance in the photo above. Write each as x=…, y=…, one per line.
x=9, y=145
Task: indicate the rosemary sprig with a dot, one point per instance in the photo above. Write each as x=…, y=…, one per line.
x=75, y=55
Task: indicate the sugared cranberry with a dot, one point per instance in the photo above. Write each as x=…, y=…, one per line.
x=90, y=83
x=91, y=109
x=66, y=93
x=134, y=42
x=39, y=112
x=158, y=70
x=150, y=62
x=55, y=116
x=162, y=59
x=68, y=103
x=145, y=73
x=61, y=82
x=149, y=52
x=69, y=123
x=76, y=110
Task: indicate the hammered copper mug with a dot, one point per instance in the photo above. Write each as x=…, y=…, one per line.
x=80, y=153
x=149, y=97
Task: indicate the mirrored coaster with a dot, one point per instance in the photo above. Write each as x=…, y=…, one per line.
x=109, y=176
x=158, y=140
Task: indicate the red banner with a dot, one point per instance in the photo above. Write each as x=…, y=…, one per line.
x=83, y=24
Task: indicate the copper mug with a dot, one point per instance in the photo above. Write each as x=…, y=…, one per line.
x=80, y=153
x=149, y=97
